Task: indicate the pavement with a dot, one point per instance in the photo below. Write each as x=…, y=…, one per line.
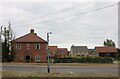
x=63, y=64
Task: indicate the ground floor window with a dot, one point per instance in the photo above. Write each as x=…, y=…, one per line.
x=37, y=58
x=107, y=55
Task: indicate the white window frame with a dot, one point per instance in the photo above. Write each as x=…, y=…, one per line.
x=18, y=46
x=37, y=48
x=37, y=58
x=62, y=51
x=28, y=46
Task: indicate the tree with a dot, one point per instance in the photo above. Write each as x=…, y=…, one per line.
x=109, y=42
x=5, y=51
x=6, y=44
x=118, y=54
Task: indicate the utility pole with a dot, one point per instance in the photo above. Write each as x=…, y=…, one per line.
x=1, y=33
x=48, y=53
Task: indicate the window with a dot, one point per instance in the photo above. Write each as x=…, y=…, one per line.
x=92, y=52
x=37, y=58
x=62, y=51
x=28, y=46
x=18, y=46
x=37, y=46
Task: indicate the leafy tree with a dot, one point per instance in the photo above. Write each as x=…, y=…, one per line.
x=118, y=54
x=5, y=51
x=109, y=42
x=7, y=54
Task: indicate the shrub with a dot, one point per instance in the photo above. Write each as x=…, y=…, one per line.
x=83, y=60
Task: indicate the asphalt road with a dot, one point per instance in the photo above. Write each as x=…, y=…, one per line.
x=62, y=69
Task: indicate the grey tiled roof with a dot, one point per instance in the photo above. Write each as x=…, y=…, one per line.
x=79, y=48
x=91, y=50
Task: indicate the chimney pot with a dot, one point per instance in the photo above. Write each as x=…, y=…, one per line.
x=32, y=31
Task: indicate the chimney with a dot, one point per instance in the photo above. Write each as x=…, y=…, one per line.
x=32, y=31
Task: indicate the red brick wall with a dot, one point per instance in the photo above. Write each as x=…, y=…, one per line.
x=21, y=53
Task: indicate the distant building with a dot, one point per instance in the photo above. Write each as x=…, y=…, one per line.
x=53, y=51
x=106, y=51
x=92, y=52
x=62, y=52
x=29, y=48
x=76, y=51
x=58, y=52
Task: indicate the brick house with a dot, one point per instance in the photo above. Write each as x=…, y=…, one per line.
x=58, y=52
x=104, y=51
x=62, y=52
x=30, y=48
x=53, y=51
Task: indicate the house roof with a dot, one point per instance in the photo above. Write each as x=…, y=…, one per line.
x=30, y=37
x=91, y=50
x=79, y=48
x=62, y=50
x=105, y=49
x=52, y=48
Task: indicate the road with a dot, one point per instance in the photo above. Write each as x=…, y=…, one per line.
x=62, y=69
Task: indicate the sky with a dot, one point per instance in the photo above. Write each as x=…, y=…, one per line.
x=71, y=23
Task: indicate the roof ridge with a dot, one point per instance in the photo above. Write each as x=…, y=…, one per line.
x=30, y=37
x=21, y=36
x=40, y=38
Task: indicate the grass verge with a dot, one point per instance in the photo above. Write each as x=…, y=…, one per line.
x=54, y=74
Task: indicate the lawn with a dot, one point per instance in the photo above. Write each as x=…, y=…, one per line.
x=54, y=74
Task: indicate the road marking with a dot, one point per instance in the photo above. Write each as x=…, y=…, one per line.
x=71, y=72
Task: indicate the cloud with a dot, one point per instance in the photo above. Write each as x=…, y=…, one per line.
x=89, y=29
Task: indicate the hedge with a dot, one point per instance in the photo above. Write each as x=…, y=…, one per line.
x=83, y=60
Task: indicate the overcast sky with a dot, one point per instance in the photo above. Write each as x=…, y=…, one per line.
x=65, y=20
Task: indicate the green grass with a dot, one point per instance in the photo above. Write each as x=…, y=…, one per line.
x=55, y=74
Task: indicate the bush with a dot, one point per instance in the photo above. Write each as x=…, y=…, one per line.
x=83, y=60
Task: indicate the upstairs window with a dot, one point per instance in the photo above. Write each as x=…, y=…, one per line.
x=62, y=51
x=37, y=46
x=18, y=46
x=28, y=46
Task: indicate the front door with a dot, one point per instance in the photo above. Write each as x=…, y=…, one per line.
x=27, y=58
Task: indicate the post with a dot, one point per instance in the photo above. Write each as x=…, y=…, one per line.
x=1, y=33
x=48, y=53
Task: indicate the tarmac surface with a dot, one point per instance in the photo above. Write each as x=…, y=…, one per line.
x=60, y=69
